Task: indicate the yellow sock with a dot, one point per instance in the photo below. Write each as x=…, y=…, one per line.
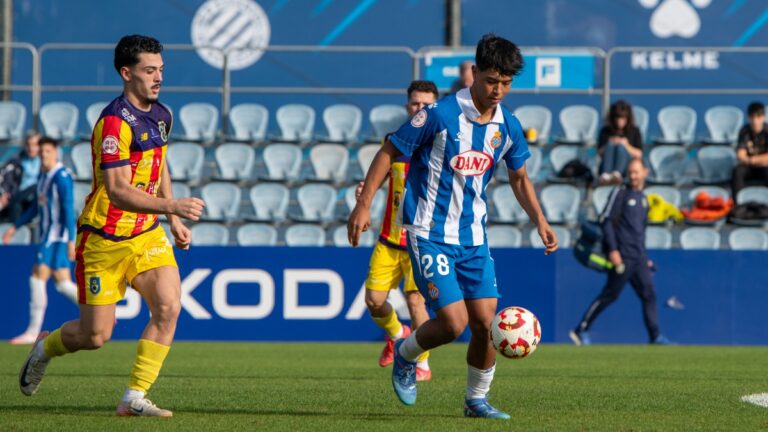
x=149, y=360
x=389, y=324
x=53, y=345
x=423, y=357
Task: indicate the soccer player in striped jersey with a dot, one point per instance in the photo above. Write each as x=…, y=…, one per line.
x=454, y=147
x=55, y=207
x=390, y=263
x=118, y=234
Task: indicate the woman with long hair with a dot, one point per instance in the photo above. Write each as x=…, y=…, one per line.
x=620, y=141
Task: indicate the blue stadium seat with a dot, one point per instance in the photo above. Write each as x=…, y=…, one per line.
x=501, y=236
x=537, y=117
x=93, y=112
x=296, y=122
x=283, y=161
x=678, y=125
x=185, y=161
x=235, y=161
x=80, y=193
x=256, y=234
x=753, y=193
x=342, y=121
x=303, y=235
x=200, y=121
x=667, y=164
x=365, y=155
x=210, y=234
x=642, y=118
x=340, y=239
x=329, y=162
x=81, y=161
x=716, y=164
x=22, y=236
x=59, y=120
x=579, y=124
x=222, y=201
x=560, y=156
x=700, y=238
x=600, y=197
x=669, y=193
x=748, y=239
x=180, y=190
x=377, y=205
x=386, y=119
x=562, y=233
x=508, y=209
x=270, y=202
x=532, y=166
x=723, y=123
x=561, y=203
x=13, y=116
x=249, y=122
x=658, y=238
x=317, y=202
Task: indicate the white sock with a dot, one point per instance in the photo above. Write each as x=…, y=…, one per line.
x=479, y=381
x=38, y=300
x=410, y=349
x=131, y=394
x=68, y=289
x=423, y=364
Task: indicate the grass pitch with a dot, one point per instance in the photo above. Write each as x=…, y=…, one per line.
x=335, y=387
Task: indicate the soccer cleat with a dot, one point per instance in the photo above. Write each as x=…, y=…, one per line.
x=423, y=374
x=34, y=368
x=403, y=377
x=480, y=408
x=23, y=339
x=141, y=408
x=580, y=337
x=662, y=340
x=387, y=354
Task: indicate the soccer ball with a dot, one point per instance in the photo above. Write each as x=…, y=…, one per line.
x=515, y=332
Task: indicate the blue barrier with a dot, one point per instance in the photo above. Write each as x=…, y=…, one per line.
x=315, y=294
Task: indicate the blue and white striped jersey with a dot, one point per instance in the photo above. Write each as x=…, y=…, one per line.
x=54, y=205
x=452, y=160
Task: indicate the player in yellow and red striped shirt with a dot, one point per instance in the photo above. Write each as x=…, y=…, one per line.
x=118, y=237
x=390, y=263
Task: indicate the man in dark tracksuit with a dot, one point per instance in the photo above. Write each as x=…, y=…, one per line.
x=623, y=222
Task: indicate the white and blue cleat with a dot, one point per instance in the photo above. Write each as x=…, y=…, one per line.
x=480, y=408
x=404, y=377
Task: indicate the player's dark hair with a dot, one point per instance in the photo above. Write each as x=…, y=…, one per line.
x=128, y=49
x=756, y=109
x=48, y=140
x=496, y=53
x=423, y=86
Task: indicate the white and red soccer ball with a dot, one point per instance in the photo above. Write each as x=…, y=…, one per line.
x=515, y=332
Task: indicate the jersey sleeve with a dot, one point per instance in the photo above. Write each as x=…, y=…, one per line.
x=112, y=138
x=65, y=188
x=518, y=152
x=420, y=130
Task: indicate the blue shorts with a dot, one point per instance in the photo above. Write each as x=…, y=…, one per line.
x=53, y=255
x=449, y=273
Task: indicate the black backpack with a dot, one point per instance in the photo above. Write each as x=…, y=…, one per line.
x=589, y=249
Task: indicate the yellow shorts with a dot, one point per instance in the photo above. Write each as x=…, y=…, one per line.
x=102, y=267
x=388, y=267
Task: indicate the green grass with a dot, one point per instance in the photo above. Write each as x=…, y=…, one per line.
x=334, y=387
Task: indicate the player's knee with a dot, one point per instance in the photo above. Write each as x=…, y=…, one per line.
x=167, y=313
x=480, y=329
x=454, y=327
x=373, y=302
x=97, y=340
x=414, y=300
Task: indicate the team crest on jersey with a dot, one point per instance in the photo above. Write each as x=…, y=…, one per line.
x=163, y=132
x=496, y=140
x=420, y=119
x=434, y=293
x=471, y=163
x=109, y=145
x=94, y=285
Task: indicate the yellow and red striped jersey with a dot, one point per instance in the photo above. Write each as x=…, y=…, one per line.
x=125, y=135
x=392, y=232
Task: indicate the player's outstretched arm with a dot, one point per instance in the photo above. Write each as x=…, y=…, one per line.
x=181, y=234
x=360, y=218
x=117, y=181
x=526, y=196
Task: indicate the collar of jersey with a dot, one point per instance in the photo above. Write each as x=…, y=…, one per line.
x=471, y=112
